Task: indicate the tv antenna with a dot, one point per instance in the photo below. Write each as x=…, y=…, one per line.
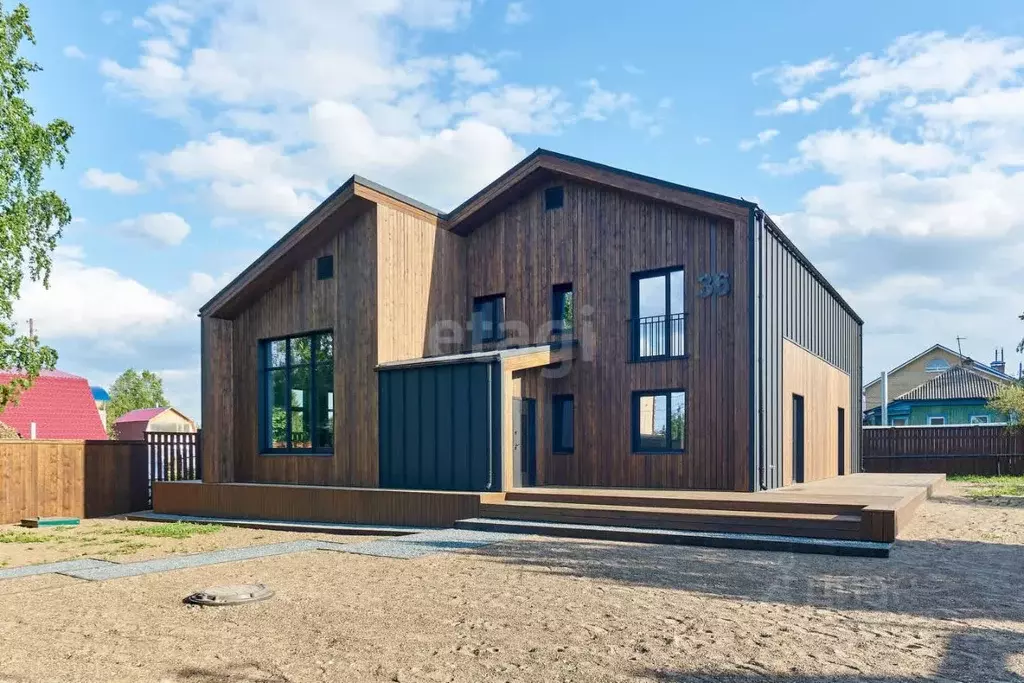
x=959, y=349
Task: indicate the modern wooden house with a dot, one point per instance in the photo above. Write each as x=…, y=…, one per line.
x=570, y=325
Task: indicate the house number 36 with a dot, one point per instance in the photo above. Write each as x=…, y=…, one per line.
x=713, y=284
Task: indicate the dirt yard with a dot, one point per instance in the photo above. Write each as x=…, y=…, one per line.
x=947, y=606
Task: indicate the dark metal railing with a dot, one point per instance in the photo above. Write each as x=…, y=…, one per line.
x=657, y=336
x=173, y=456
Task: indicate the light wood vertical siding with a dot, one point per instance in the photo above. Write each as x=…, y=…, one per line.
x=825, y=388
x=71, y=478
x=596, y=241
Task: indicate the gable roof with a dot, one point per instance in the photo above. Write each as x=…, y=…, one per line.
x=139, y=415
x=359, y=193
x=59, y=403
x=959, y=382
x=981, y=367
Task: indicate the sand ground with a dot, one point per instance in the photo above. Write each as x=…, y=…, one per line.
x=948, y=605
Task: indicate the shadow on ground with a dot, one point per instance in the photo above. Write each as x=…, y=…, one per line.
x=937, y=579
x=972, y=655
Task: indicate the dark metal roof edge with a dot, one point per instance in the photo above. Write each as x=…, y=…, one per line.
x=398, y=196
x=806, y=262
x=489, y=356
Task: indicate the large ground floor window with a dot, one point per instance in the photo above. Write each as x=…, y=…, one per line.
x=659, y=421
x=297, y=394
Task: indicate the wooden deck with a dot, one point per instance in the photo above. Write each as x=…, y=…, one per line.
x=867, y=507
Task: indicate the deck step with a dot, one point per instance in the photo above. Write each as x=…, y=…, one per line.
x=794, y=544
x=701, y=500
x=680, y=519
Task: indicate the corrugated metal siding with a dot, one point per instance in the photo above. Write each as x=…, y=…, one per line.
x=440, y=427
x=793, y=304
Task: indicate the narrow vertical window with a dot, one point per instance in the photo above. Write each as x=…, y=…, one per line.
x=488, y=318
x=325, y=267
x=562, y=423
x=562, y=308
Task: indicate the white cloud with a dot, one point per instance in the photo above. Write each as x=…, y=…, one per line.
x=515, y=13
x=164, y=229
x=701, y=140
x=761, y=139
x=917, y=221
x=74, y=52
x=471, y=69
x=791, y=79
x=793, y=105
x=96, y=179
x=110, y=16
x=518, y=109
x=600, y=103
x=94, y=303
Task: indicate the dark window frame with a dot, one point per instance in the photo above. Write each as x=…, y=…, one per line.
x=263, y=370
x=635, y=319
x=554, y=197
x=325, y=267
x=635, y=422
x=497, y=331
x=558, y=293
x=557, y=400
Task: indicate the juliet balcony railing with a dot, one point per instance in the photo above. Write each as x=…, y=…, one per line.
x=657, y=336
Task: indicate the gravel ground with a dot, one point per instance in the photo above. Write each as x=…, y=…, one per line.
x=947, y=605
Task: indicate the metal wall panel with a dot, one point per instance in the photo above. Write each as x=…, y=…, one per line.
x=793, y=303
x=440, y=427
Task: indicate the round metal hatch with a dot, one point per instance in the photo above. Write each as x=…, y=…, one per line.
x=222, y=596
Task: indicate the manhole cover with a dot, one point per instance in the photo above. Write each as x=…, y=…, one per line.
x=219, y=596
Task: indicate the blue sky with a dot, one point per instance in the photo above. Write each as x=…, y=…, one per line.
x=887, y=141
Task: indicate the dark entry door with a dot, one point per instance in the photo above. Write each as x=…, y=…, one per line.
x=842, y=442
x=798, y=439
x=524, y=440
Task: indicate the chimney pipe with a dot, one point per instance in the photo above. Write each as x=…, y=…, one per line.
x=999, y=364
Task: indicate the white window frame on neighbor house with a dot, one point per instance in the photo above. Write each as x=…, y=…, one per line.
x=932, y=420
x=980, y=420
x=937, y=365
x=898, y=422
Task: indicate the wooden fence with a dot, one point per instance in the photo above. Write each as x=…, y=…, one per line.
x=49, y=478
x=965, y=449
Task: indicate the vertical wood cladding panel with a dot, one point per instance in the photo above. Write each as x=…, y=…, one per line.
x=596, y=241
x=824, y=388
x=217, y=389
x=795, y=306
x=345, y=304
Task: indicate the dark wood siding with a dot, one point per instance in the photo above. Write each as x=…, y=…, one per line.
x=596, y=241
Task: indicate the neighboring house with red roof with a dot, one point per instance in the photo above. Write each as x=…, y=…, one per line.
x=134, y=424
x=59, y=404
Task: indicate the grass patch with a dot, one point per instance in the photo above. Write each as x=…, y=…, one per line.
x=991, y=487
x=173, y=530
x=126, y=548
x=21, y=537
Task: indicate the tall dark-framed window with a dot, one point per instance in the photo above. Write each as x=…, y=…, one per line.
x=296, y=413
x=563, y=420
x=325, y=267
x=562, y=308
x=658, y=321
x=488, y=318
x=659, y=421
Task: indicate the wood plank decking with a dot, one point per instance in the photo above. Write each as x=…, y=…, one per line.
x=867, y=507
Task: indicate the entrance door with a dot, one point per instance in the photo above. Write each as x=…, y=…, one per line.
x=524, y=440
x=798, y=439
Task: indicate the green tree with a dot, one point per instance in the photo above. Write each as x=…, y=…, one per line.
x=1009, y=400
x=31, y=218
x=131, y=391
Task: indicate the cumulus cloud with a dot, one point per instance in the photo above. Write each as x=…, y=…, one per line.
x=515, y=13
x=96, y=179
x=914, y=213
x=162, y=229
x=791, y=79
x=759, y=140
x=74, y=52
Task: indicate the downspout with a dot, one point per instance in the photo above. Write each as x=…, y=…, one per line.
x=490, y=421
x=761, y=464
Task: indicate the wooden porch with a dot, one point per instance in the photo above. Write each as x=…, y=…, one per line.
x=859, y=507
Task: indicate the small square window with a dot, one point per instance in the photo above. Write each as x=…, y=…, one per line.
x=325, y=267
x=979, y=419
x=898, y=422
x=554, y=198
x=659, y=421
x=937, y=420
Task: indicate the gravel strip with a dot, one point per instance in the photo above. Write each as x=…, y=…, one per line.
x=53, y=568
x=427, y=543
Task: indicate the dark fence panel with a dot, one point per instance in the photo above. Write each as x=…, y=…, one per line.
x=174, y=456
x=983, y=450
